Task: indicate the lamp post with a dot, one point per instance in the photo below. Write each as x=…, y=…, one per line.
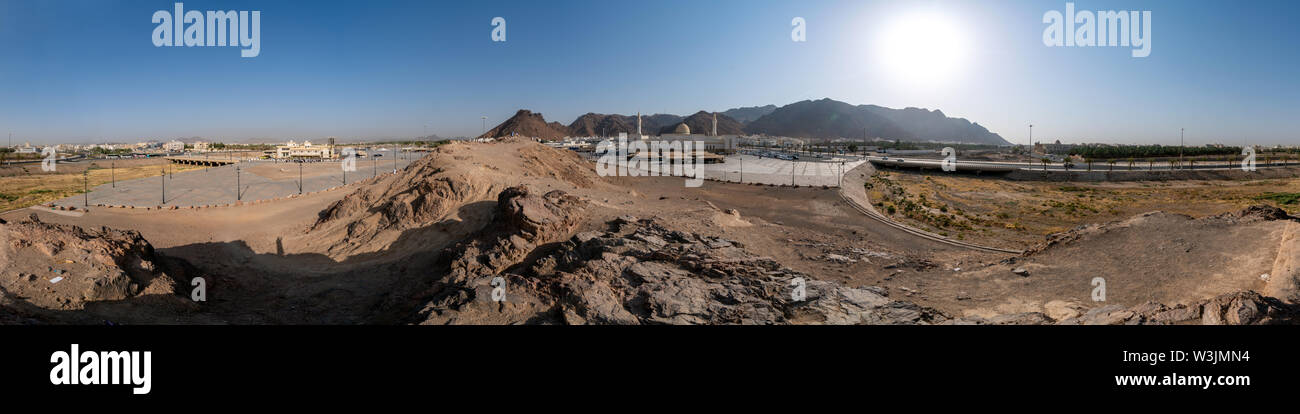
x=239, y=196
x=163, y=177
x=85, y=187
x=1180, y=148
x=112, y=168
x=300, y=178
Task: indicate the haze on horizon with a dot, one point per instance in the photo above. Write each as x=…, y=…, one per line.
x=86, y=71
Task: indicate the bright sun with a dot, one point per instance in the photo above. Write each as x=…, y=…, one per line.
x=923, y=48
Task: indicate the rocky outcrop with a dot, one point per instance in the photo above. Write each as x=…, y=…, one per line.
x=1284, y=281
x=54, y=267
x=524, y=221
x=639, y=272
x=1238, y=308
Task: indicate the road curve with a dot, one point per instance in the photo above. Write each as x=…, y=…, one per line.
x=853, y=193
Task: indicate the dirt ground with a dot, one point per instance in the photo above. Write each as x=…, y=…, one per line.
x=339, y=257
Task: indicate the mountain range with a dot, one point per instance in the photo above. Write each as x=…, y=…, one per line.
x=824, y=118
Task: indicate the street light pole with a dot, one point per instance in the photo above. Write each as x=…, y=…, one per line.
x=163, y=177
x=239, y=196
x=1180, y=148
x=300, y=178
x=1031, y=139
x=112, y=168
x=85, y=186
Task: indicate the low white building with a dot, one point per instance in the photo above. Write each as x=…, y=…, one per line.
x=174, y=146
x=305, y=150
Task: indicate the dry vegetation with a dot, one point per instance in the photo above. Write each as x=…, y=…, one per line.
x=1016, y=214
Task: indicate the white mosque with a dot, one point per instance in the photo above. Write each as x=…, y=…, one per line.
x=714, y=143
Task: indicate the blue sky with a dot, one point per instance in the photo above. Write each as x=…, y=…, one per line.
x=87, y=71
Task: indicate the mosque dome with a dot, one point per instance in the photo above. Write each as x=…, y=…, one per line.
x=682, y=129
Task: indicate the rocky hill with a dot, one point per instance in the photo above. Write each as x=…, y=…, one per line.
x=827, y=119
x=747, y=114
x=437, y=197
x=602, y=125
x=526, y=123
x=926, y=125
x=702, y=123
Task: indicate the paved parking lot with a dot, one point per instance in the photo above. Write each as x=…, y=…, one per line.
x=258, y=180
x=752, y=169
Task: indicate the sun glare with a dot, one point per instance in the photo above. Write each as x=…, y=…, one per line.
x=922, y=49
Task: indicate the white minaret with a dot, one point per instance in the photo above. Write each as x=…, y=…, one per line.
x=715, y=124
x=638, y=125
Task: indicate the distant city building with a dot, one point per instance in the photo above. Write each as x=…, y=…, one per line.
x=174, y=146
x=201, y=146
x=305, y=150
x=772, y=142
x=1055, y=148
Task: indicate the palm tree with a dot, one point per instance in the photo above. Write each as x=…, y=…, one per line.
x=1045, y=161
x=1112, y=165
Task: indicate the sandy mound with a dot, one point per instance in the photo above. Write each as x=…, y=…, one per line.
x=637, y=272
x=50, y=268
x=442, y=192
